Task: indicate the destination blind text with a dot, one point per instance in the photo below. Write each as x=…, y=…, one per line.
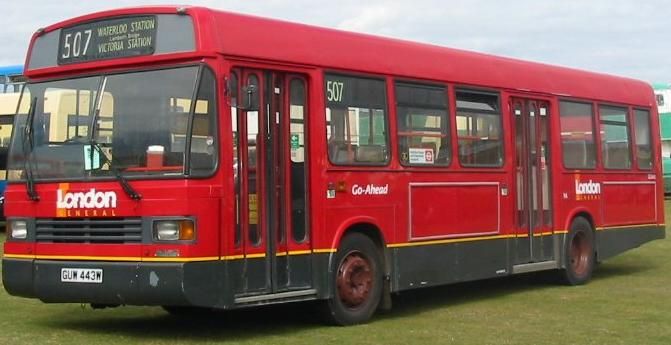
x=126, y=36
x=110, y=38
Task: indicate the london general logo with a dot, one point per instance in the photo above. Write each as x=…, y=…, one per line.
x=91, y=203
x=589, y=190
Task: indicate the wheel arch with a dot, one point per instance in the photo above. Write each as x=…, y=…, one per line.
x=366, y=226
x=579, y=212
x=587, y=215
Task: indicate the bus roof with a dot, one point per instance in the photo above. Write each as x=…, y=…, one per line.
x=245, y=36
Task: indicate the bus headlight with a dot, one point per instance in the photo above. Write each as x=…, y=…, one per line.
x=18, y=229
x=174, y=230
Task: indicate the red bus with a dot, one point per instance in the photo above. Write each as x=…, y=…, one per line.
x=210, y=159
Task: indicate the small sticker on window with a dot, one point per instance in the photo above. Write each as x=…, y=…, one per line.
x=91, y=158
x=421, y=155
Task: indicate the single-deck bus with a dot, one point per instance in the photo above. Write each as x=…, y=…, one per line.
x=11, y=79
x=220, y=160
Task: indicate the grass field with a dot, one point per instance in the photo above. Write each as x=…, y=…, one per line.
x=628, y=302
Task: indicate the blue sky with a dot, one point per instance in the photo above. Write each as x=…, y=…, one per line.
x=622, y=37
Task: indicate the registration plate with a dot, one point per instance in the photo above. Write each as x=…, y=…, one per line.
x=82, y=275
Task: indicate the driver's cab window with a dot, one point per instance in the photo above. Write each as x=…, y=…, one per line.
x=203, y=128
x=154, y=132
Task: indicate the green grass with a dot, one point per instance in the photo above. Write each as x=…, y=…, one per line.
x=627, y=302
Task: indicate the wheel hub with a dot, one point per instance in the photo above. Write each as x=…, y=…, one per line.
x=579, y=254
x=354, y=280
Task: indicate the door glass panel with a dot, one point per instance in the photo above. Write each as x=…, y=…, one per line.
x=233, y=85
x=297, y=147
x=277, y=157
x=545, y=164
x=253, y=180
x=533, y=159
x=519, y=168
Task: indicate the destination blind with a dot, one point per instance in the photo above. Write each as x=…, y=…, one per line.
x=108, y=39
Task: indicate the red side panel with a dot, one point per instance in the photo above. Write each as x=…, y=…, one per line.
x=629, y=203
x=453, y=209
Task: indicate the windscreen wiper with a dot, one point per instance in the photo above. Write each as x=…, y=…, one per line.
x=130, y=191
x=27, y=146
x=95, y=146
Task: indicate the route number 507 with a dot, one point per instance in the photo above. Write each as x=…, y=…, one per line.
x=334, y=91
x=76, y=44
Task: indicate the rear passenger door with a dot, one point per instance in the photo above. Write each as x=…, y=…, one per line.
x=533, y=221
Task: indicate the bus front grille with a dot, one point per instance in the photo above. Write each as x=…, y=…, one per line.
x=89, y=230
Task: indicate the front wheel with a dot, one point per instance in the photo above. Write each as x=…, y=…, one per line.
x=356, y=281
x=578, y=253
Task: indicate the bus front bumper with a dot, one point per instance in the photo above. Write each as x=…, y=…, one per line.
x=122, y=283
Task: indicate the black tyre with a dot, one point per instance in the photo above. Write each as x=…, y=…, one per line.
x=356, y=281
x=578, y=253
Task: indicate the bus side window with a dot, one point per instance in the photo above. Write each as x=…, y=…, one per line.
x=577, y=134
x=423, y=125
x=615, y=148
x=356, y=120
x=643, y=139
x=479, y=129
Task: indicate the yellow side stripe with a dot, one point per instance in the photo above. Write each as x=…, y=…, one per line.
x=73, y=257
x=627, y=226
x=233, y=257
x=294, y=252
x=162, y=259
x=18, y=256
x=450, y=240
x=325, y=251
x=110, y=258
x=173, y=259
x=300, y=252
x=485, y=238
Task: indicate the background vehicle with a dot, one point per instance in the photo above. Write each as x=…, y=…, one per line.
x=663, y=94
x=225, y=161
x=11, y=80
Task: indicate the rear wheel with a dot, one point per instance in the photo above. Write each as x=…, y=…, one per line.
x=357, y=281
x=578, y=253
